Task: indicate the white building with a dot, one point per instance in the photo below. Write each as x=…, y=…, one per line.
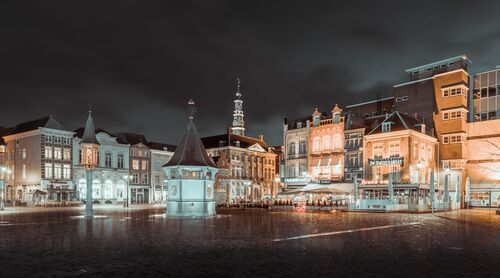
x=110, y=178
x=296, y=152
x=160, y=155
x=38, y=153
x=191, y=175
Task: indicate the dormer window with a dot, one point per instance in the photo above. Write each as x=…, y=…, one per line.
x=221, y=143
x=237, y=143
x=336, y=117
x=299, y=125
x=386, y=127
x=316, y=121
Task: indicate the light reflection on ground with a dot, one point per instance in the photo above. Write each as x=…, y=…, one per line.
x=133, y=242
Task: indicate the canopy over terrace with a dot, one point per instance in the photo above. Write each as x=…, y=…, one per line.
x=314, y=188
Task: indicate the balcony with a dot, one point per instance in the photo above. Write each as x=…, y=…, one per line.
x=296, y=156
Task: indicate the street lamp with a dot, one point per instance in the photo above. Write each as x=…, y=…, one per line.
x=3, y=170
x=125, y=200
x=89, y=158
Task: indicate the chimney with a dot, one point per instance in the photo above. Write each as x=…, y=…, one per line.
x=422, y=128
x=261, y=137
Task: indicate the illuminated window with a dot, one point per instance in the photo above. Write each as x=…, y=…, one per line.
x=377, y=172
x=57, y=171
x=394, y=149
x=316, y=144
x=67, y=171
x=378, y=151
x=48, y=152
x=337, y=143
x=396, y=172
x=135, y=164
x=48, y=170
x=325, y=142
x=57, y=153
x=66, y=154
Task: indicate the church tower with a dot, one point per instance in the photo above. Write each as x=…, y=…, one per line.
x=238, y=127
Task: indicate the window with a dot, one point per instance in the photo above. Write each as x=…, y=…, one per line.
x=48, y=170
x=454, y=91
x=299, y=124
x=454, y=164
x=48, y=152
x=135, y=164
x=67, y=154
x=108, y=189
x=57, y=153
x=67, y=171
x=378, y=150
x=337, y=144
x=454, y=114
x=394, y=149
x=398, y=99
x=377, y=172
x=453, y=139
x=291, y=149
x=316, y=144
x=365, y=115
x=422, y=152
x=325, y=143
x=135, y=178
x=386, y=127
x=396, y=172
x=107, y=160
x=120, y=188
x=405, y=98
x=57, y=171
x=374, y=114
x=120, y=161
x=144, y=179
x=23, y=153
x=24, y=171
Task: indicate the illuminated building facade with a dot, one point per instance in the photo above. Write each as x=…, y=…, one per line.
x=486, y=95
x=39, y=154
x=248, y=165
x=326, y=144
x=139, y=167
x=296, y=153
x=400, y=146
x=109, y=182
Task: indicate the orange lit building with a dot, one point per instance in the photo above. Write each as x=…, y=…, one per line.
x=399, y=145
x=326, y=144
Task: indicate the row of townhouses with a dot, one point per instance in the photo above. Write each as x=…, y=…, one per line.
x=442, y=120
x=43, y=159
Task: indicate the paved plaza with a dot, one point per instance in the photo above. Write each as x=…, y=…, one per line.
x=248, y=243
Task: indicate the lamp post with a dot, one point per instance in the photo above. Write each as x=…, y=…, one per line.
x=3, y=171
x=446, y=190
x=125, y=200
x=89, y=158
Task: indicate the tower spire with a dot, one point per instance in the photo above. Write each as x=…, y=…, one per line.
x=238, y=127
x=191, y=109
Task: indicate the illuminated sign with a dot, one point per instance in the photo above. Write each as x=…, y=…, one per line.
x=386, y=161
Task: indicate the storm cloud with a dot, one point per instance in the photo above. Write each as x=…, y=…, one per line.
x=138, y=62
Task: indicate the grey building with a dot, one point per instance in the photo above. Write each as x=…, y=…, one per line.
x=296, y=152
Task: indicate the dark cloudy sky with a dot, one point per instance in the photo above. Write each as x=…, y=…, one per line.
x=138, y=62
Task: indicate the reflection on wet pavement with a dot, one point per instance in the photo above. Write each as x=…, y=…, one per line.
x=132, y=243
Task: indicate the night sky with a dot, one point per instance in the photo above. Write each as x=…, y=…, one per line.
x=138, y=62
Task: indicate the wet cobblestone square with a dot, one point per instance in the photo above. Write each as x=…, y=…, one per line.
x=249, y=243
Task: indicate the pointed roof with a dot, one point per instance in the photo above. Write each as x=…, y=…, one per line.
x=47, y=122
x=190, y=150
x=89, y=133
x=399, y=121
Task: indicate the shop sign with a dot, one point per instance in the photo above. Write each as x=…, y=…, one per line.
x=386, y=161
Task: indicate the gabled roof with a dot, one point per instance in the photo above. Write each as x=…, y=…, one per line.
x=48, y=122
x=161, y=146
x=89, y=132
x=4, y=131
x=190, y=151
x=130, y=138
x=230, y=139
x=399, y=121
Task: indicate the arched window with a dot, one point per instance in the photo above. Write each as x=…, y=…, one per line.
x=82, y=189
x=96, y=189
x=108, y=189
x=120, y=189
x=325, y=143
